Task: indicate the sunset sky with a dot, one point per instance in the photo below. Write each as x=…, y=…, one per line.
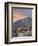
x=19, y=14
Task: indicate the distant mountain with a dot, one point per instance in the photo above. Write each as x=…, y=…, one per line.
x=23, y=22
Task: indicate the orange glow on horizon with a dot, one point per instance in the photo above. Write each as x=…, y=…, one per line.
x=18, y=16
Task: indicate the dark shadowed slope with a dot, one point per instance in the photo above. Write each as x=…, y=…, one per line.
x=23, y=22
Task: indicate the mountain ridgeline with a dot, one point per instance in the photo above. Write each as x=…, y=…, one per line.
x=23, y=22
